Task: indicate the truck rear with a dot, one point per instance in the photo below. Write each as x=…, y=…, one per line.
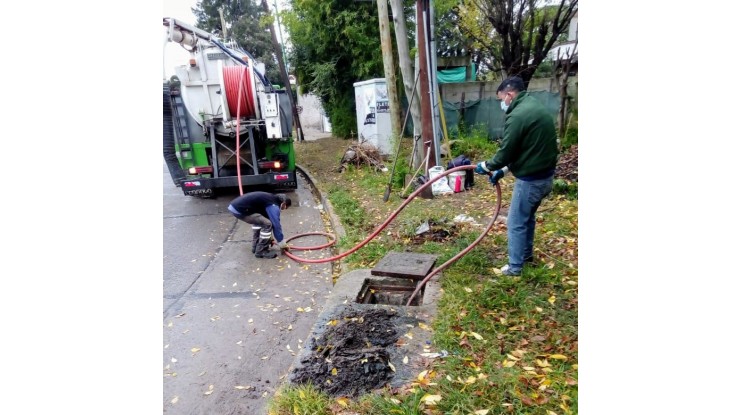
x=224, y=125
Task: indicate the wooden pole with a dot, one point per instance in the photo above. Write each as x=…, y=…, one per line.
x=390, y=74
x=284, y=74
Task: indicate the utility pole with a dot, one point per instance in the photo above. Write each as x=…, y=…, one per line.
x=223, y=23
x=284, y=73
x=388, y=68
x=422, y=6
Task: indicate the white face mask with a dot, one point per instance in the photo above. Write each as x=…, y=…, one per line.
x=504, y=105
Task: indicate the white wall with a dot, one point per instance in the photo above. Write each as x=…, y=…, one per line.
x=311, y=112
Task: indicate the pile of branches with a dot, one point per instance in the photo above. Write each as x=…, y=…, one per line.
x=360, y=154
x=567, y=167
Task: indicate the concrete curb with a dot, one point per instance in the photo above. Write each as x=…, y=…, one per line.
x=336, y=224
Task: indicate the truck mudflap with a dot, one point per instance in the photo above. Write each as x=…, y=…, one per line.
x=206, y=187
x=197, y=187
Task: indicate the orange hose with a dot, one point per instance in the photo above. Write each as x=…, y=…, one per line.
x=235, y=78
x=395, y=213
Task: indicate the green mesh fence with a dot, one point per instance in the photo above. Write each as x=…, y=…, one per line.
x=483, y=113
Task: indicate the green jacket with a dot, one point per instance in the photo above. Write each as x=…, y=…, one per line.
x=529, y=145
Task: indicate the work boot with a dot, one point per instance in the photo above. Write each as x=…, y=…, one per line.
x=255, y=238
x=263, y=249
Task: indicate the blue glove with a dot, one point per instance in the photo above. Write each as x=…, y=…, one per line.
x=480, y=168
x=496, y=176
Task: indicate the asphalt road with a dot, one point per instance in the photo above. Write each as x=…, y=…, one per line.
x=233, y=323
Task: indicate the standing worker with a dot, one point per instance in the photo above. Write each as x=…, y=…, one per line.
x=529, y=150
x=262, y=211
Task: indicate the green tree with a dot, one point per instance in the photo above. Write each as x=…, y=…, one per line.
x=513, y=36
x=335, y=43
x=246, y=25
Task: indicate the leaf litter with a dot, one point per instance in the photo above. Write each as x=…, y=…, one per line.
x=352, y=356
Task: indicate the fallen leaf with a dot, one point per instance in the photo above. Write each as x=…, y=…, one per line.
x=390, y=365
x=209, y=391
x=481, y=412
x=342, y=401
x=334, y=371
x=194, y=350
x=507, y=363
x=558, y=357
x=476, y=335
x=174, y=400
x=423, y=326
x=241, y=387
x=431, y=400
x=551, y=300
x=405, y=360
x=468, y=290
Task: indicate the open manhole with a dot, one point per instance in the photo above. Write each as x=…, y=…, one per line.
x=389, y=291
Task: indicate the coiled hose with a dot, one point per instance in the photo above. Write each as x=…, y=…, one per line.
x=382, y=226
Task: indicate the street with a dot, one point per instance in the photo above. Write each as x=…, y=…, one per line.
x=233, y=323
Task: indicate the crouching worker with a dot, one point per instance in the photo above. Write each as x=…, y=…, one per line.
x=262, y=211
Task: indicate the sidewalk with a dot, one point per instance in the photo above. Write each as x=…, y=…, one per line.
x=312, y=134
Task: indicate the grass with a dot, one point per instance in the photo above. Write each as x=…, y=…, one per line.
x=512, y=341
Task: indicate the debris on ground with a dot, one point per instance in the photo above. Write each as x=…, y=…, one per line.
x=434, y=231
x=567, y=167
x=362, y=153
x=351, y=357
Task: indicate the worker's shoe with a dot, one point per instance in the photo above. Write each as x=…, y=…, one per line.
x=507, y=270
x=263, y=249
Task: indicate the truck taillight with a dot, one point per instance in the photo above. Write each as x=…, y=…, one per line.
x=200, y=170
x=272, y=165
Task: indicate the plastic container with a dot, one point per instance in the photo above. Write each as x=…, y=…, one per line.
x=456, y=181
x=440, y=186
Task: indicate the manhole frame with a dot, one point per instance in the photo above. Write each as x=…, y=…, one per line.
x=396, y=284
